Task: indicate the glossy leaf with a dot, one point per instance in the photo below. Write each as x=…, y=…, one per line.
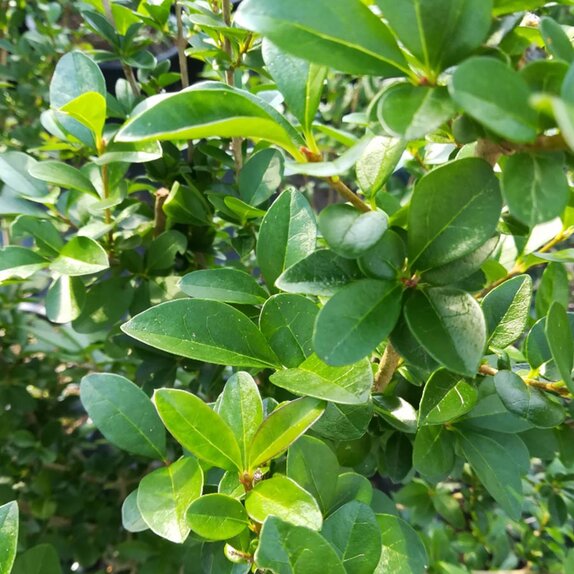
x=203, y=330
x=282, y=497
x=556, y=40
x=132, y=519
x=90, y=110
x=396, y=411
x=450, y=327
x=186, y=204
x=165, y=495
x=448, y=220
x=344, y=422
x=261, y=176
x=15, y=169
x=63, y=175
x=355, y=534
x=19, y=262
x=225, y=284
x=320, y=33
x=65, y=299
x=347, y=385
x=350, y=233
x=554, y=287
x=433, y=452
x=288, y=549
x=198, y=428
x=283, y=427
x=287, y=235
x=80, y=256
x=46, y=236
x=528, y=402
x=386, y=259
x=217, y=517
x=504, y=110
x=561, y=342
x=506, y=310
x=8, y=535
x=287, y=322
x=357, y=319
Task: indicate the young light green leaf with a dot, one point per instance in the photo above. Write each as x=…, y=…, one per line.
x=506, y=310
x=240, y=406
x=320, y=33
x=535, y=187
x=350, y=233
x=347, y=385
x=132, y=519
x=19, y=262
x=448, y=220
x=217, y=517
x=8, y=535
x=504, y=110
x=65, y=299
x=198, y=428
x=357, y=319
x=261, y=176
x=282, y=497
x=288, y=233
x=90, y=110
x=403, y=551
x=439, y=33
x=314, y=467
x=561, y=342
x=227, y=285
x=63, y=175
x=412, y=112
x=287, y=321
x=209, y=109
x=528, y=402
x=124, y=414
x=320, y=273
x=288, y=549
x=283, y=427
x=433, y=452
x=80, y=256
x=446, y=397
x=165, y=494
x=202, y=330
x=450, y=326
x=300, y=82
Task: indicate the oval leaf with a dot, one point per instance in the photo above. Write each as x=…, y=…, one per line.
x=217, y=517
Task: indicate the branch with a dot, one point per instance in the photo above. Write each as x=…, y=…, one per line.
x=159, y=220
x=183, y=69
x=387, y=367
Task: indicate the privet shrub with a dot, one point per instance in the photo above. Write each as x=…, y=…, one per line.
x=380, y=384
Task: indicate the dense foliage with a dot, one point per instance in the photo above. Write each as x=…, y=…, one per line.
x=308, y=313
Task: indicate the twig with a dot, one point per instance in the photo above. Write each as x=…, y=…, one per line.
x=348, y=194
x=160, y=220
x=387, y=367
x=183, y=69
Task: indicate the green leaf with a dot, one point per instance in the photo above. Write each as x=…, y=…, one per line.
x=352, y=486
x=202, y=330
x=8, y=535
x=320, y=273
x=15, y=169
x=132, y=519
x=288, y=233
x=448, y=220
x=90, y=110
x=19, y=262
x=378, y=163
x=217, y=517
x=397, y=412
x=355, y=534
x=508, y=6
x=288, y=549
x=386, y=259
x=124, y=414
x=198, y=428
x=48, y=239
x=321, y=33
x=62, y=175
x=556, y=40
x=80, y=256
x=347, y=385
x=65, y=299
x=284, y=498
x=226, y=284
x=504, y=110
x=117, y=152
x=186, y=204
x=403, y=552
x=412, y=112
x=460, y=268
x=536, y=347
x=164, y=496
x=350, y=233
x=439, y=34
x=535, y=187
x=554, y=286
x=287, y=321
x=41, y=559
x=241, y=408
x=314, y=467
x=344, y=422
x=209, y=109
x=561, y=342
x=450, y=326
x=433, y=453
x=495, y=468
x=283, y=427
x=300, y=82
x=261, y=176
x=446, y=397
x=528, y=402
x=355, y=320
x=163, y=250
